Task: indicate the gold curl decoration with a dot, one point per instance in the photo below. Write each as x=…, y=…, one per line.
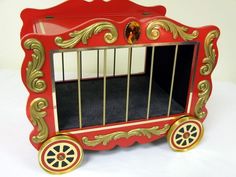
x=83, y=35
x=37, y=114
x=153, y=32
x=209, y=61
x=204, y=88
x=33, y=71
x=105, y=139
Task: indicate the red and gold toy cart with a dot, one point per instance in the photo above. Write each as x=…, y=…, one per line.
x=101, y=75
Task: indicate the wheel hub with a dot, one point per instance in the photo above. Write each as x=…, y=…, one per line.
x=61, y=156
x=186, y=135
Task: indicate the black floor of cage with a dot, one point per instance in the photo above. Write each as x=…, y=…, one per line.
x=116, y=89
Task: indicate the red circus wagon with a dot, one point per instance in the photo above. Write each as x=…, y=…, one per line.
x=101, y=76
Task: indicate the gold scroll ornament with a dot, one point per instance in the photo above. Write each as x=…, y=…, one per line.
x=33, y=71
x=37, y=114
x=105, y=139
x=204, y=88
x=209, y=61
x=153, y=32
x=85, y=34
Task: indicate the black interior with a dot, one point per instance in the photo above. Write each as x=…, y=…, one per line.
x=92, y=92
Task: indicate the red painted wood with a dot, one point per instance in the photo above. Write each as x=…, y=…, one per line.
x=78, y=14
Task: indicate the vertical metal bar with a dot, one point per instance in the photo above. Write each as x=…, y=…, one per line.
x=81, y=70
x=172, y=80
x=128, y=83
x=79, y=86
x=150, y=82
x=104, y=86
x=114, y=65
x=63, y=66
x=98, y=63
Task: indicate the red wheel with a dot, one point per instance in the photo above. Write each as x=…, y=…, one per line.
x=185, y=134
x=60, y=154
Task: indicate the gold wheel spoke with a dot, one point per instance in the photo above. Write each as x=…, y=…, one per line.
x=51, y=157
x=54, y=163
x=54, y=151
x=185, y=129
x=180, y=133
x=195, y=132
x=70, y=156
x=67, y=161
x=178, y=138
x=60, y=164
x=179, y=141
x=68, y=150
x=191, y=129
x=61, y=148
x=184, y=142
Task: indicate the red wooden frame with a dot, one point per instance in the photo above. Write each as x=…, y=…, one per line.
x=78, y=15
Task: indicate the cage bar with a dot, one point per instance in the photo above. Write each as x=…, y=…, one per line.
x=150, y=82
x=128, y=83
x=63, y=66
x=79, y=86
x=98, y=58
x=104, y=86
x=172, y=80
x=114, y=65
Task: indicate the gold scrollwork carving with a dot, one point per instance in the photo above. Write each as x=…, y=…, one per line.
x=85, y=34
x=38, y=113
x=33, y=71
x=105, y=139
x=209, y=61
x=204, y=88
x=153, y=32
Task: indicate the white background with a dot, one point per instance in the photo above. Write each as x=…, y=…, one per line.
x=215, y=155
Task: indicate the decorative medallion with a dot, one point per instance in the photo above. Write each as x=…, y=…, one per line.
x=33, y=71
x=105, y=139
x=132, y=32
x=153, y=32
x=209, y=61
x=204, y=88
x=37, y=115
x=85, y=34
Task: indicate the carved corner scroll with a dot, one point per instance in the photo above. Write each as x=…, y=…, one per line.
x=210, y=52
x=85, y=34
x=153, y=32
x=33, y=71
x=105, y=139
x=37, y=114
